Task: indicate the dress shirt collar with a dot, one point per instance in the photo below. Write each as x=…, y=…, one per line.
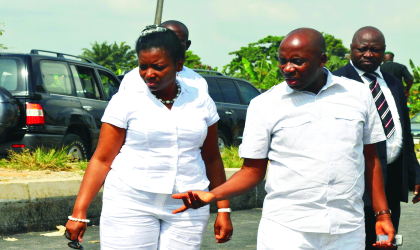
x=361, y=72
x=328, y=84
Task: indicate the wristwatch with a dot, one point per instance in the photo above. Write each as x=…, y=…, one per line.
x=388, y=211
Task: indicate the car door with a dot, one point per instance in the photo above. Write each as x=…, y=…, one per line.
x=57, y=96
x=233, y=108
x=109, y=82
x=93, y=100
x=247, y=91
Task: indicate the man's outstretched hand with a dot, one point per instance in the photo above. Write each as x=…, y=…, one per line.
x=193, y=199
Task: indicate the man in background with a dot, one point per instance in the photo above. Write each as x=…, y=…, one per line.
x=188, y=76
x=397, y=70
x=398, y=159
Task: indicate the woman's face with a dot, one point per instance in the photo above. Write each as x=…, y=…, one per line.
x=158, y=69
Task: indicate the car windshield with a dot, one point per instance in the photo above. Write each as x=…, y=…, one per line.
x=11, y=75
x=416, y=118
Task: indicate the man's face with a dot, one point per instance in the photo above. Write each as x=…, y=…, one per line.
x=388, y=57
x=181, y=33
x=367, y=51
x=299, y=63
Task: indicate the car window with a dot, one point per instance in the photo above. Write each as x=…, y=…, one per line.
x=248, y=91
x=85, y=81
x=229, y=91
x=214, y=90
x=56, y=77
x=10, y=79
x=110, y=84
x=416, y=118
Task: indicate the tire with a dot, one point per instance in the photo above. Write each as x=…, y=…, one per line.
x=221, y=140
x=76, y=147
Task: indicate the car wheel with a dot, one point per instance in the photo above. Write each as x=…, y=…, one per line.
x=76, y=148
x=222, y=141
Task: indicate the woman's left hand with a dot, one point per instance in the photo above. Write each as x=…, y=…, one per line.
x=223, y=229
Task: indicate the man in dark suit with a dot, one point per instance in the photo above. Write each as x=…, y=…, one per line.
x=398, y=159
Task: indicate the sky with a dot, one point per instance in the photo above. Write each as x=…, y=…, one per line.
x=216, y=27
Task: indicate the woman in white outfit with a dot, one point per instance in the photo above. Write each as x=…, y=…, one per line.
x=154, y=142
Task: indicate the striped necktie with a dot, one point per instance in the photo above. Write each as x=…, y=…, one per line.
x=381, y=104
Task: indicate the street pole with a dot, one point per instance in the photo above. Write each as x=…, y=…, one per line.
x=159, y=8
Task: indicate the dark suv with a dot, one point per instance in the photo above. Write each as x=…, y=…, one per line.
x=232, y=97
x=52, y=100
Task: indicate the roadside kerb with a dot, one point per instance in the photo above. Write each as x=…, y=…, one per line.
x=40, y=205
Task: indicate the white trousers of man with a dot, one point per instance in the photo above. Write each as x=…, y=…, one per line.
x=134, y=219
x=272, y=235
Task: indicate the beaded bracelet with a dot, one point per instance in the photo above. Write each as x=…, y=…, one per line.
x=78, y=220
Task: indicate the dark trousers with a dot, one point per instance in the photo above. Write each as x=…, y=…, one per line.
x=393, y=195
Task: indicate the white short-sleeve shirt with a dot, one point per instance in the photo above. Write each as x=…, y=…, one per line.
x=186, y=75
x=315, y=179
x=161, y=152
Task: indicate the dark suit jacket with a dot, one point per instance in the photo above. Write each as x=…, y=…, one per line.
x=410, y=166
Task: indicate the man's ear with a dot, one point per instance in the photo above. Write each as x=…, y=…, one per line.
x=188, y=44
x=179, y=65
x=323, y=60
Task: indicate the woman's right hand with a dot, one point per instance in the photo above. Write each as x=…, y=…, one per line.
x=76, y=229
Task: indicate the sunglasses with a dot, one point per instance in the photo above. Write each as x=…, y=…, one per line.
x=73, y=243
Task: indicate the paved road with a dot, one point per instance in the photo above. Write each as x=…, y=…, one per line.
x=245, y=235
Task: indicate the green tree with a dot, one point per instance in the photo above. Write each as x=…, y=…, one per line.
x=112, y=56
x=265, y=48
x=263, y=74
x=414, y=98
x=124, y=57
x=1, y=33
x=193, y=61
x=336, y=52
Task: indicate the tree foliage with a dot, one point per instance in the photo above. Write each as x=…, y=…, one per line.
x=265, y=48
x=336, y=52
x=1, y=33
x=193, y=61
x=112, y=56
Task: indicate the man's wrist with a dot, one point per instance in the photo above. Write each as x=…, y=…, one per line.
x=383, y=212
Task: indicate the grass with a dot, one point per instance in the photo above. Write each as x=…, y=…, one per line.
x=230, y=157
x=42, y=159
x=58, y=160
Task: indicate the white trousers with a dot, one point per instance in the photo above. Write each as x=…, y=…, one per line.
x=134, y=219
x=272, y=235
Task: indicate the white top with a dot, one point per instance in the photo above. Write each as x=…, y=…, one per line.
x=186, y=75
x=315, y=179
x=162, y=148
x=393, y=143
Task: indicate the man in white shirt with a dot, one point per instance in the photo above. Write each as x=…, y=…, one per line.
x=396, y=154
x=188, y=76
x=318, y=131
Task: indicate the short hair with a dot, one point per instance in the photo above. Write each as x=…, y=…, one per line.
x=176, y=23
x=154, y=37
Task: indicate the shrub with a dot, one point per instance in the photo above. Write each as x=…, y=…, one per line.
x=42, y=159
x=230, y=157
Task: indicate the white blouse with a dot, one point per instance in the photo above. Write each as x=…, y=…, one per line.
x=162, y=148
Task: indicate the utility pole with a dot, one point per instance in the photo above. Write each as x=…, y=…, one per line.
x=159, y=8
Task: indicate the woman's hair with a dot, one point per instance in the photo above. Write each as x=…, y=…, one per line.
x=155, y=37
